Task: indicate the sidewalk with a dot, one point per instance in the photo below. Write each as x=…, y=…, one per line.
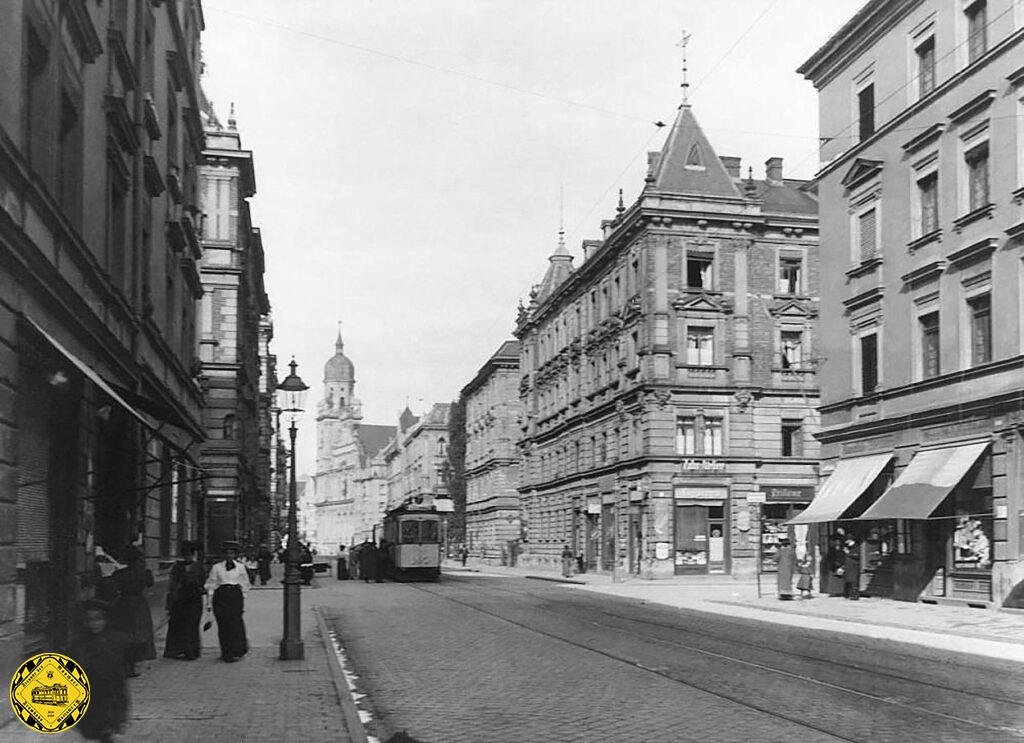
x=984, y=632
x=260, y=698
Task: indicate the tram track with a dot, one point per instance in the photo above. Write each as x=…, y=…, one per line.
x=444, y=593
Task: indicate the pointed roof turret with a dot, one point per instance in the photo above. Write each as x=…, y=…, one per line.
x=559, y=268
x=339, y=368
x=688, y=163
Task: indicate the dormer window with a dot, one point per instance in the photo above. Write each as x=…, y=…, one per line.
x=694, y=160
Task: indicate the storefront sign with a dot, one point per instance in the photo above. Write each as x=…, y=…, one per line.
x=953, y=430
x=702, y=465
x=661, y=550
x=702, y=494
x=785, y=494
x=756, y=496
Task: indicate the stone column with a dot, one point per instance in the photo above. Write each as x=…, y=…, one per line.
x=741, y=354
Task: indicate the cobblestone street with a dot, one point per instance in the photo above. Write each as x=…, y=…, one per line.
x=499, y=658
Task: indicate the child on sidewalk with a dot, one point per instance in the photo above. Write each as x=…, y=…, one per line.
x=102, y=654
x=805, y=582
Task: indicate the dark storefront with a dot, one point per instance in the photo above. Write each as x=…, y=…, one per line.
x=701, y=530
x=782, y=503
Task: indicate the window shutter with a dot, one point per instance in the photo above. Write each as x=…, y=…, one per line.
x=868, y=226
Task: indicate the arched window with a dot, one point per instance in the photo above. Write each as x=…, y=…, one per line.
x=441, y=447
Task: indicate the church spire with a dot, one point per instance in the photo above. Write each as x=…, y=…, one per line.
x=339, y=344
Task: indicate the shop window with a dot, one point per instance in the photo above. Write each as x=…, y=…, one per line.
x=981, y=329
x=972, y=511
x=904, y=537
x=790, y=273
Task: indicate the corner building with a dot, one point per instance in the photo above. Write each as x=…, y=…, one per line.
x=668, y=383
x=922, y=213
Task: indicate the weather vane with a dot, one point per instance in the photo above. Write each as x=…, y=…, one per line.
x=686, y=84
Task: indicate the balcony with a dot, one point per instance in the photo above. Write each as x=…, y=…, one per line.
x=799, y=378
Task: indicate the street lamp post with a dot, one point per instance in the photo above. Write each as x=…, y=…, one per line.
x=293, y=392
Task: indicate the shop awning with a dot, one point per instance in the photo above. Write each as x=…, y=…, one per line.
x=926, y=481
x=847, y=482
x=146, y=420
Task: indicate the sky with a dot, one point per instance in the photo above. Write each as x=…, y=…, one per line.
x=414, y=160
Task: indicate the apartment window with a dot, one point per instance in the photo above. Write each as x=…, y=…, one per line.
x=686, y=435
x=929, y=325
x=790, y=272
x=37, y=100
x=699, y=435
x=866, y=111
x=928, y=197
x=926, y=67
x=116, y=225
x=698, y=271
x=980, y=309
x=976, y=160
x=867, y=234
x=977, y=30
x=792, y=438
x=868, y=363
x=69, y=160
x=792, y=355
x=700, y=346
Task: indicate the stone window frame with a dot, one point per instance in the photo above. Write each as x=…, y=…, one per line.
x=864, y=80
x=918, y=37
x=791, y=253
x=922, y=168
x=863, y=201
x=927, y=302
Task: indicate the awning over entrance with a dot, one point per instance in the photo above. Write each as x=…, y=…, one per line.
x=847, y=482
x=91, y=374
x=926, y=481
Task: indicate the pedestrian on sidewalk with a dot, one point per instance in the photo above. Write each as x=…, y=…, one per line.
x=225, y=589
x=131, y=609
x=384, y=563
x=835, y=560
x=463, y=554
x=567, y=561
x=368, y=561
x=251, y=565
x=102, y=652
x=805, y=571
x=786, y=561
x=263, y=559
x=185, y=605
x=851, y=569
x=342, y=563
x=306, y=564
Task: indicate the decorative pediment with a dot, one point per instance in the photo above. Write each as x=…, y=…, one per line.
x=702, y=302
x=860, y=171
x=792, y=308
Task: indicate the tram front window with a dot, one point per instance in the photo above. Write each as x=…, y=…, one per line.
x=410, y=532
x=428, y=532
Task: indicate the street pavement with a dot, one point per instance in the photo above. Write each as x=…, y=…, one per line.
x=993, y=633
x=493, y=656
x=259, y=698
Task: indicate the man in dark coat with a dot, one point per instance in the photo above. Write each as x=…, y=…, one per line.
x=103, y=654
x=185, y=605
x=851, y=569
x=368, y=561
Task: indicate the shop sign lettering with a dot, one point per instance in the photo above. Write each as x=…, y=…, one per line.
x=702, y=465
x=790, y=495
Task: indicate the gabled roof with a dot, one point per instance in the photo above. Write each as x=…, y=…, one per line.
x=373, y=438
x=861, y=170
x=688, y=163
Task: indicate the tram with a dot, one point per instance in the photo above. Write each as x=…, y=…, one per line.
x=412, y=535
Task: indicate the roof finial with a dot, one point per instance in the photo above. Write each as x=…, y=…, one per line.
x=232, y=124
x=621, y=207
x=750, y=187
x=561, y=219
x=339, y=344
x=686, y=83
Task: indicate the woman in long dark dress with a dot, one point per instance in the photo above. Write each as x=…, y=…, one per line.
x=227, y=585
x=102, y=653
x=786, y=561
x=185, y=605
x=131, y=609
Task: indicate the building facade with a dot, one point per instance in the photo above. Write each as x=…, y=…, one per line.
x=234, y=305
x=491, y=467
x=350, y=480
x=417, y=458
x=922, y=216
x=100, y=408
x=668, y=383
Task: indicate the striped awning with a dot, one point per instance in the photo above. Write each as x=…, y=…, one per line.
x=847, y=482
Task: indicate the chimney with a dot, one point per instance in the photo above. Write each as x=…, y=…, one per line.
x=732, y=165
x=773, y=169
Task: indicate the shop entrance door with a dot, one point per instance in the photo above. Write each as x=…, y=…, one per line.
x=608, y=541
x=635, y=547
x=691, y=543
x=717, y=543
x=593, y=540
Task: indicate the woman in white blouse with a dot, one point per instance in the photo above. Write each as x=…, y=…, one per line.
x=226, y=587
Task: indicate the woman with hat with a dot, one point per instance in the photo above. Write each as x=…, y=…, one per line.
x=225, y=589
x=131, y=609
x=185, y=605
